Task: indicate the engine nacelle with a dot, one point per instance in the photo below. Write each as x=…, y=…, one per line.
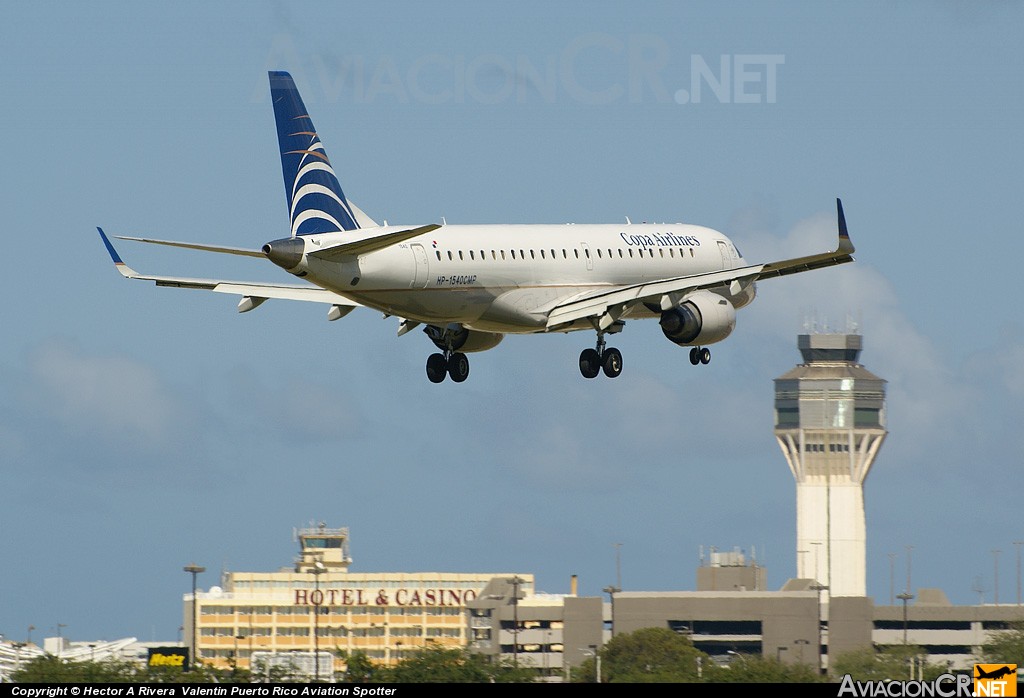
x=466, y=341
x=703, y=318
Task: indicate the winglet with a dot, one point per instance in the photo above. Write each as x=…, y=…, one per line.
x=845, y=244
x=121, y=267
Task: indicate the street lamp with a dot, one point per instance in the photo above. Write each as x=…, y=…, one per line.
x=905, y=597
x=1017, y=544
x=317, y=570
x=995, y=558
x=516, y=581
x=592, y=651
x=800, y=643
x=819, y=587
x=194, y=570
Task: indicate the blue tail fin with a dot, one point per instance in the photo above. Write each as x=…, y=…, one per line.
x=316, y=203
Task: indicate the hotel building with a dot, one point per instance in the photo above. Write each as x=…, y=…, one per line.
x=308, y=617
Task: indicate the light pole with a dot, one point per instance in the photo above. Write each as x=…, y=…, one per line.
x=905, y=597
x=892, y=578
x=516, y=581
x=317, y=570
x=800, y=643
x=194, y=570
x=995, y=563
x=1017, y=544
x=592, y=651
x=818, y=587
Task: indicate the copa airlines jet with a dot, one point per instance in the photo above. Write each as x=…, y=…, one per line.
x=470, y=285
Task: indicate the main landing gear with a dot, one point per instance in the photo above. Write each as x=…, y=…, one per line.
x=448, y=362
x=454, y=364
x=593, y=361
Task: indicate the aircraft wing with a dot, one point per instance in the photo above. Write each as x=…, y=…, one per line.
x=612, y=302
x=608, y=304
x=253, y=293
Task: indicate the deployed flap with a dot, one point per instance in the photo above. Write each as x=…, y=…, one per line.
x=377, y=240
x=598, y=302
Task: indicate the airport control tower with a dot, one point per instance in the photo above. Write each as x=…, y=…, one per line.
x=830, y=423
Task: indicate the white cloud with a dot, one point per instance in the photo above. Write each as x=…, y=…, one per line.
x=924, y=395
x=298, y=410
x=118, y=397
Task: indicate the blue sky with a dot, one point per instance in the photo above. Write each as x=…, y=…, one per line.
x=144, y=428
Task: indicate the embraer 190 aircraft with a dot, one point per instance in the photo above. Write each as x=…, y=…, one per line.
x=470, y=285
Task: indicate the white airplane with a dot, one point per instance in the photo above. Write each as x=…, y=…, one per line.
x=470, y=285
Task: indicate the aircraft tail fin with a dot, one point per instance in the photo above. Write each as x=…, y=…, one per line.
x=316, y=203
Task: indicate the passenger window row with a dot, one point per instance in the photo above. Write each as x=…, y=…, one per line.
x=631, y=252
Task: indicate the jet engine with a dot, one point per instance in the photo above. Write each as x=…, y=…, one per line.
x=458, y=338
x=702, y=318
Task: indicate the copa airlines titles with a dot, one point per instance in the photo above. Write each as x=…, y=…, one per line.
x=660, y=240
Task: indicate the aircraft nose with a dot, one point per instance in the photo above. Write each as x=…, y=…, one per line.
x=285, y=253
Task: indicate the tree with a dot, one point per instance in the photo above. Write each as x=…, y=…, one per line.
x=449, y=665
x=359, y=668
x=648, y=655
x=896, y=662
x=52, y=669
x=1005, y=645
x=754, y=668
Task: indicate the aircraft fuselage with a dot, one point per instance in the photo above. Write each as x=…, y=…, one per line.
x=503, y=278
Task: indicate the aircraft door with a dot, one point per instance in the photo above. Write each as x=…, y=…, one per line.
x=422, y=272
x=585, y=251
x=727, y=260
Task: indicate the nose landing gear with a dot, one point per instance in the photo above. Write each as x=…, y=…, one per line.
x=700, y=355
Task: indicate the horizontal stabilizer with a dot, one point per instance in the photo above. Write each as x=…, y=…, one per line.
x=256, y=291
x=376, y=240
x=197, y=246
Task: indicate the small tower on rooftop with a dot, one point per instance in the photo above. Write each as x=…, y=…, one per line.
x=329, y=546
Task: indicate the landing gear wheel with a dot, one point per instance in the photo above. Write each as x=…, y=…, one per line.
x=458, y=367
x=705, y=356
x=590, y=363
x=611, y=362
x=695, y=355
x=437, y=368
